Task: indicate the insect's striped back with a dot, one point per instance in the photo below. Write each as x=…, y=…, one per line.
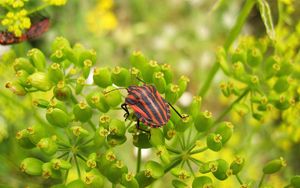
x=38, y=28
x=148, y=105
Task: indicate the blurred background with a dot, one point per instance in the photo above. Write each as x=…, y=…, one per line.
x=183, y=33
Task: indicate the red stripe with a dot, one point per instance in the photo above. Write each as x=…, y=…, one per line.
x=158, y=100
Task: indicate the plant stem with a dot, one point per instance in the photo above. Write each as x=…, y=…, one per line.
x=196, y=161
x=173, y=150
x=73, y=98
x=225, y=112
x=81, y=157
x=77, y=166
x=239, y=179
x=113, y=185
x=234, y=32
x=37, y=9
x=92, y=125
x=198, y=150
x=176, y=162
x=261, y=180
x=139, y=160
x=190, y=167
x=62, y=155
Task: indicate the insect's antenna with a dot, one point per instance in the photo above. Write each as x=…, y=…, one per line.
x=139, y=79
x=181, y=116
x=119, y=88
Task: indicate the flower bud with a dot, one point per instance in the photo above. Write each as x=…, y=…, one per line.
x=286, y=68
x=178, y=184
x=16, y=88
x=202, y=182
x=159, y=82
x=23, y=64
x=36, y=133
x=222, y=60
x=237, y=165
x=85, y=55
x=214, y=141
x=112, y=98
x=102, y=77
x=38, y=59
x=295, y=181
x=97, y=100
x=48, y=171
x=55, y=73
x=149, y=71
x=221, y=173
x=169, y=130
x=47, y=145
x=31, y=166
x=225, y=129
x=272, y=66
x=58, y=104
x=203, y=121
x=184, y=123
x=128, y=180
x=104, y=121
x=274, y=166
x=79, y=131
x=172, y=93
x=281, y=85
x=58, y=56
x=117, y=127
x=239, y=55
x=91, y=161
x=157, y=137
x=23, y=139
x=141, y=140
x=80, y=82
x=120, y=76
x=62, y=92
x=60, y=43
x=163, y=154
x=138, y=60
x=22, y=76
x=182, y=83
x=93, y=178
x=57, y=117
x=58, y=164
x=168, y=74
x=82, y=112
x=115, y=140
x=196, y=106
x=76, y=184
x=144, y=179
x=180, y=173
x=154, y=169
x=106, y=161
x=206, y=167
x=282, y=103
x=254, y=57
x=100, y=136
x=40, y=81
x=239, y=71
x=115, y=172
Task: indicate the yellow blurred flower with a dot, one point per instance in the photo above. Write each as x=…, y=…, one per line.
x=101, y=19
x=56, y=2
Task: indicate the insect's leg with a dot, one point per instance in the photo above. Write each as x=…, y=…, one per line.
x=139, y=79
x=181, y=116
x=139, y=128
x=124, y=106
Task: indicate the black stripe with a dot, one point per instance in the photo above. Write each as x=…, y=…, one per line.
x=138, y=104
x=157, y=103
x=130, y=101
x=143, y=90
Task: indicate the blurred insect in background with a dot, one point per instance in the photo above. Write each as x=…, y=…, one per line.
x=148, y=105
x=36, y=30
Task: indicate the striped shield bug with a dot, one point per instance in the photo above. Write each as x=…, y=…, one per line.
x=36, y=30
x=148, y=105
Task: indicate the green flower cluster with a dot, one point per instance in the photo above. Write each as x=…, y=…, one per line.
x=265, y=69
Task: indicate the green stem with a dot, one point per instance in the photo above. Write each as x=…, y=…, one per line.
x=74, y=100
x=77, y=166
x=239, y=179
x=227, y=110
x=139, y=160
x=81, y=157
x=196, y=161
x=92, y=125
x=198, y=151
x=113, y=185
x=38, y=9
x=234, y=32
x=175, y=162
x=62, y=155
x=261, y=180
x=190, y=167
x=173, y=150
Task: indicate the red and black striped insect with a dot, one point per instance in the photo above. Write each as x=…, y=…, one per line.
x=148, y=105
x=36, y=30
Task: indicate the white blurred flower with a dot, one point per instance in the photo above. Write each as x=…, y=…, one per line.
x=186, y=99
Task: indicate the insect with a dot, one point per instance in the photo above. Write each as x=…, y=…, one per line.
x=36, y=30
x=148, y=105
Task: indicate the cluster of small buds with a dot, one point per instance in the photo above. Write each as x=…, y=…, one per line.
x=270, y=78
x=16, y=22
x=14, y=3
x=56, y=2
